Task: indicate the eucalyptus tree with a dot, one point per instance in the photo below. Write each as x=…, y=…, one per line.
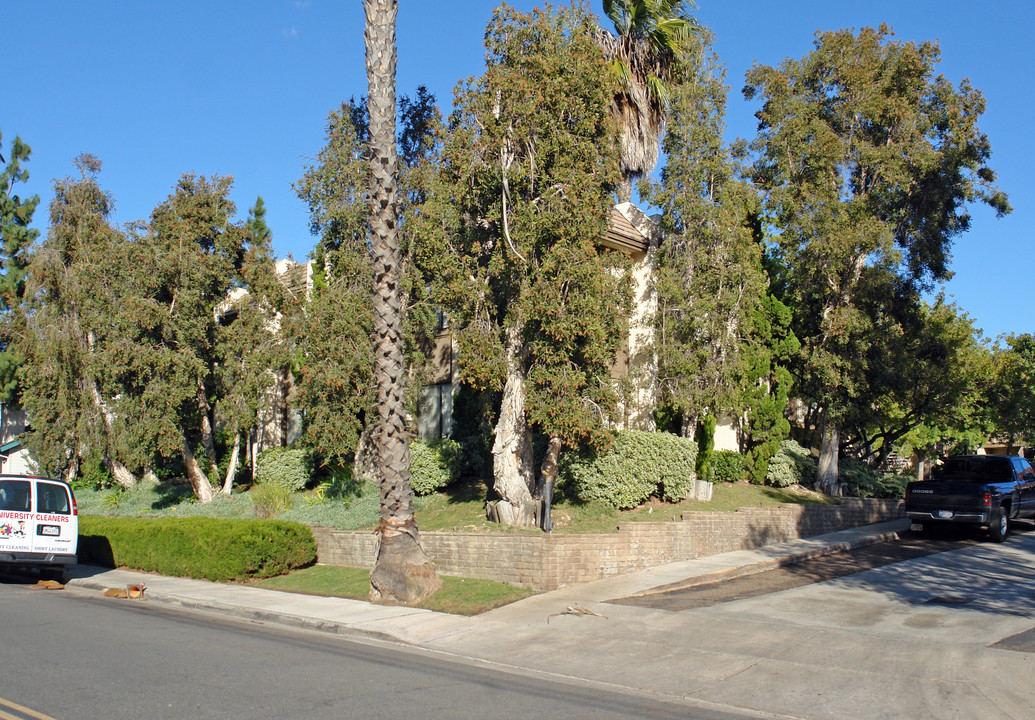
x=508, y=241
x=651, y=39
x=69, y=378
x=868, y=162
x=402, y=572
x=197, y=328
x=16, y=241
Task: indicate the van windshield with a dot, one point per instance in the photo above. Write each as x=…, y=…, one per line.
x=14, y=495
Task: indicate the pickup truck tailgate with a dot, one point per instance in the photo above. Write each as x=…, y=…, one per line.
x=930, y=496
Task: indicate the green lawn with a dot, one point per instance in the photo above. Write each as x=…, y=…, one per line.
x=459, y=596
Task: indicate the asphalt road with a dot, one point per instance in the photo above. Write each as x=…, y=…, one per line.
x=909, y=545
x=69, y=654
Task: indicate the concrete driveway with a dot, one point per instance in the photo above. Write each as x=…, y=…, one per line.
x=918, y=639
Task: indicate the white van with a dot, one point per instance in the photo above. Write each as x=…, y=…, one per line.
x=39, y=524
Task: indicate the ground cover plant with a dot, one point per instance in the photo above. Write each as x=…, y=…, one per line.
x=459, y=507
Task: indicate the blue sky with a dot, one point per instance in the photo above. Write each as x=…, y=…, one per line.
x=243, y=88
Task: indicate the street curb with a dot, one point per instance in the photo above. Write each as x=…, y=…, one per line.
x=717, y=576
x=258, y=616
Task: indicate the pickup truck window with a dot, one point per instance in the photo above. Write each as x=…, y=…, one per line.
x=987, y=468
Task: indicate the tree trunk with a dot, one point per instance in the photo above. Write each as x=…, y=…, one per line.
x=364, y=461
x=827, y=471
x=231, y=470
x=122, y=474
x=198, y=480
x=547, y=477
x=402, y=573
x=207, y=435
x=689, y=428
x=72, y=472
x=625, y=189
x=512, y=450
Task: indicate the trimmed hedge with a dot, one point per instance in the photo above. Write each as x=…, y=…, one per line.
x=639, y=465
x=291, y=468
x=434, y=465
x=197, y=547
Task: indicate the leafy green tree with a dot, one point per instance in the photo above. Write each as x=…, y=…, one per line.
x=868, y=162
x=330, y=329
x=927, y=370
x=651, y=39
x=509, y=243
x=249, y=348
x=16, y=241
x=710, y=277
x=197, y=329
x=402, y=572
x=1011, y=389
x=71, y=298
x=770, y=352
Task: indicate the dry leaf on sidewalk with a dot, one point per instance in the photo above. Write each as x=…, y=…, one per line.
x=575, y=610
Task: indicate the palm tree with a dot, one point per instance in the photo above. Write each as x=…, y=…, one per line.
x=402, y=573
x=651, y=39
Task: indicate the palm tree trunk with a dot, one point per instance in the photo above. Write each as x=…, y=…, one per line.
x=402, y=573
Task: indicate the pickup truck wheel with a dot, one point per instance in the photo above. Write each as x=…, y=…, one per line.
x=999, y=527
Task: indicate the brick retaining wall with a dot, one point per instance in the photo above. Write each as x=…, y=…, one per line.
x=546, y=562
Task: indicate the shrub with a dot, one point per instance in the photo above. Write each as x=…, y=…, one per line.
x=639, y=465
x=705, y=448
x=207, y=548
x=434, y=465
x=291, y=468
x=270, y=500
x=791, y=465
x=728, y=466
x=862, y=481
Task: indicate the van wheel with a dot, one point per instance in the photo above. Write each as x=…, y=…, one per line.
x=999, y=527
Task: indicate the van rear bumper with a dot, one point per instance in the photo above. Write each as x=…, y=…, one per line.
x=32, y=559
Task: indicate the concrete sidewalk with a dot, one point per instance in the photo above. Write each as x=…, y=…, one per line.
x=418, y=627
x=856, y=647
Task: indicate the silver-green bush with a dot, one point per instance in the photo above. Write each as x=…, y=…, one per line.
x=433, y=465
x=791, y=465
x=639, y=465
x=291, y=468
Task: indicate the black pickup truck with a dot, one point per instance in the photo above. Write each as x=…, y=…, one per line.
x=987, y=490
